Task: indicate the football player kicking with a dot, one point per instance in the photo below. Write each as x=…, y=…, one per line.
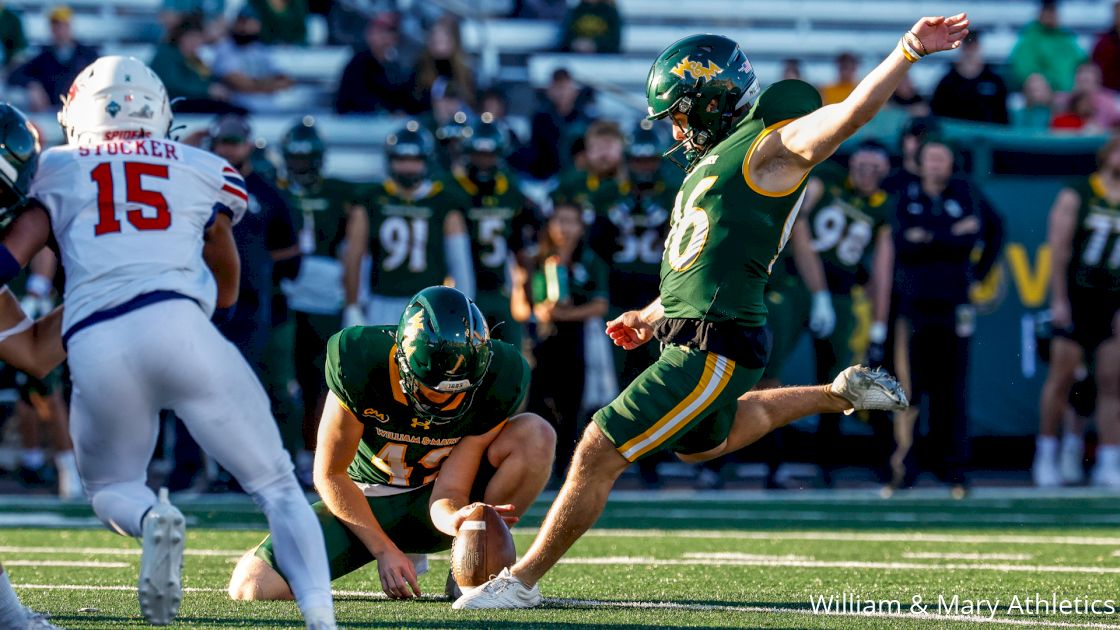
x=33, y=347
x=749, y=152
x=144, y=227
x=421, y=421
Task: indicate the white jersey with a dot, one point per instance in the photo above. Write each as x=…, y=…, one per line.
x=129, y=216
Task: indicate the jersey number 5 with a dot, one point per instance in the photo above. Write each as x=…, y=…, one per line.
x=135, y=193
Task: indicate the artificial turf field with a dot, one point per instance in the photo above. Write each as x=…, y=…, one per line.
x=717, y=560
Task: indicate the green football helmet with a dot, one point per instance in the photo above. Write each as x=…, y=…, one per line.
x=443, y=346
x=303, y=150
x=19, y=157
x=410, y=141
x=485, y=147
x=643, y=153
x=708, y=79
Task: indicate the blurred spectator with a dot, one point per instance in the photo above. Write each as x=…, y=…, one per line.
x=791, y=69
x=447, y=121
x=12, y=39
x=1079, y=113
x=443, y=60
x=212, y=13
x=1102, y=111
x=971, y=89
x=374, y=80
x=592, y=26
x=282, y=21
x=1048, y=49
x=347, y=20
x=493, y=101
x=561, y=119
x=846, y=79
x=1036, y=108
x=569, y=288
x=1106, y=52
x=243, y=63
x=605, y=180
x=937, y=226
x=186, y=76
x=906, y=97
x=49, y=74
x=551, y=10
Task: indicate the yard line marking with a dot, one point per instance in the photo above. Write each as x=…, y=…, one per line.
x=77, y=564
x=978, y=539
x=859, y=516
x=594, y=603
x=933, y=555
x=735, y=555
x=112, y=551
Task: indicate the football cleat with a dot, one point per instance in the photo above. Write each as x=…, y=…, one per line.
x=1106, y=472
x=38, y=621
x=161, y=562
x=320, y=619
x=503, y=591
x=870, y=389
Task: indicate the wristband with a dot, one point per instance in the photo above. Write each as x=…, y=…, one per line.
x=907, y=52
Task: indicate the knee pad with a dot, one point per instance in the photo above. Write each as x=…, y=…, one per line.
x=277, y=492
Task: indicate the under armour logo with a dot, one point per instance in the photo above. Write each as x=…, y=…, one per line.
x=421, y=424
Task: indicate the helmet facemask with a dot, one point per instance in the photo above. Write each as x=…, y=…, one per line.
x=461, y=390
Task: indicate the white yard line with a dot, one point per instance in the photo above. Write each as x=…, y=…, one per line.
x=858, y=515
x=906, y=537
x=607, y=604
x=934, y=555
x=113, y=551
x=77, y=564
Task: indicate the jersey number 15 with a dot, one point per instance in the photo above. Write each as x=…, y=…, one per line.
x=135, y=193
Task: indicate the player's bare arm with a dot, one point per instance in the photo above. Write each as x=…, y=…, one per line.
x=882, y=276
x=1059, y=236
x=782, y=159
x=36, y=350
x=357, y=244
x=450, y=503
x=339, y=434
x=807, y=261
x=220, y=254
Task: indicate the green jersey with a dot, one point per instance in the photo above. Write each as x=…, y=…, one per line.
x=639, y=222
x=397, y=447
x=843, y=225
x=496, y=222
x=320, y=216
x=1095, y=260
x=726, y=233
x=406, y=236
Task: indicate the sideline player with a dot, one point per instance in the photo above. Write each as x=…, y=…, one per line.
x=419, y=423
x=144, y=227
x=1085, y=311
x=749, y=153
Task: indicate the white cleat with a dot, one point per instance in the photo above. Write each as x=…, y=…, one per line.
x=870, y=389
x=320, y=619
x=1106, y=476
x=1045, y=472
x=161, y=562
x=1069, y=462
x=503, y=591
x=38, y=621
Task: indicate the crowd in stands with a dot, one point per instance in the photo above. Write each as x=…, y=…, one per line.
x=606, y=217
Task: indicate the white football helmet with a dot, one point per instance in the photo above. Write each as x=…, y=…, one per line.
x=115, y=97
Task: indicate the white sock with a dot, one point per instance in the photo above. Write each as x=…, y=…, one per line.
x=1046, y=447
x=32, y=458
x=12, y=613
x=1108, y=455
x=297, y=540
x=121, y=506
x=1069, y=439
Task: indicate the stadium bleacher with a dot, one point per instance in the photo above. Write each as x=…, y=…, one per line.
x=516, y=52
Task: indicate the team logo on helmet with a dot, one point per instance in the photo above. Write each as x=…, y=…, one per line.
x=696, y=69
x=113, y=108
x=415, y=325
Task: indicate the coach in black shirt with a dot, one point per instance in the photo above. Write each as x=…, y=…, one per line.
x=971, y=89
x=938, y=224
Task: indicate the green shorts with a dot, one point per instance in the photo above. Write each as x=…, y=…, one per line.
x=404, y=517
x=686, y=401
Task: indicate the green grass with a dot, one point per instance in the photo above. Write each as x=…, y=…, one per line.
x=724, y=561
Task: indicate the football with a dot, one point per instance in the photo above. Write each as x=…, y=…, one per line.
x=483, y=548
